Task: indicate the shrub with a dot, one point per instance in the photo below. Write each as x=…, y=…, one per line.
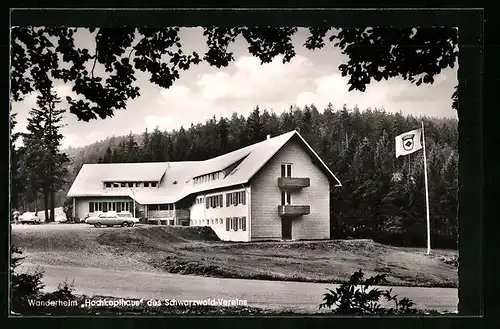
x=358, y=297
x=24, y=286
x=64, y=292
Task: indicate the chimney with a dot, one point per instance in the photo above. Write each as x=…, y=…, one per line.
x=268, y=137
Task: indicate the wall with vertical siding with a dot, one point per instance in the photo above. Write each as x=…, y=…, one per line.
x=201, y=216
x=266, y=196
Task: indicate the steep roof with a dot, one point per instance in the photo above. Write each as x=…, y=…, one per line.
x=177, y=180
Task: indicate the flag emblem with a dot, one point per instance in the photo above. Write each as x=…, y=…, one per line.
x=408, y=142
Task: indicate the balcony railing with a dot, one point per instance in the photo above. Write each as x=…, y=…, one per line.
x=293, y=210
x=293, y=182
x=169, y=214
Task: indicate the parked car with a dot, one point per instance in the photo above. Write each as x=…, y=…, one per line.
x=112, y=218
x=29, y=218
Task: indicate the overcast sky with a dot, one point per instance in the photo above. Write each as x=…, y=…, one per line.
x=312, y=77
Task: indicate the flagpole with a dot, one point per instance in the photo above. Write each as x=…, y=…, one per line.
x=426, y=194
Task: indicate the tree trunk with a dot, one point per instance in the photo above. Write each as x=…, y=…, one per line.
x=46, y=205
x=52, y=206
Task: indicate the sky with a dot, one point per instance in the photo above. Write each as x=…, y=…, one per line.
x=311, y=77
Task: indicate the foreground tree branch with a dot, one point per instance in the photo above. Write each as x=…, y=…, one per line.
x=416, y=55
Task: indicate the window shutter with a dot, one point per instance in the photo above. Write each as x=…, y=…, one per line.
x=244, y=197
x=244, y=223
x=227, y=224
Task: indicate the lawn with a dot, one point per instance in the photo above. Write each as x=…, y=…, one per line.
x=198, y=251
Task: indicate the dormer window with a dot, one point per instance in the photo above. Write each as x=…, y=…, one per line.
x=116, y=185
x=153, y=184
x=146, y=184
x=123, y=184
x=108, y=185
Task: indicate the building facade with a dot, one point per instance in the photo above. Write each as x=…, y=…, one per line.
x=278, y=189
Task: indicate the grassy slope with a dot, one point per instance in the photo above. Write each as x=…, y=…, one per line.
x=198, y=251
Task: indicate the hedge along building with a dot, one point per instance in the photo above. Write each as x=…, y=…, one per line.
x=275, y=189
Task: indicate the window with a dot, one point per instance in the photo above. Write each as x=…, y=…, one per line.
x=137, y=184
x=108, y=185
x=212, y=221
x=130, y=184
x=116, y=185
x=123, y=184
x=146, y=184
x=118, y=206
x=228, y=198
x=99, y=206
x=286, y=170
x=235, y=223
x=285, y=198
x=222, y=221
x=244, y=197
x=228, y=224
x=153, y=184
x=91, y=207
x=216, y=221
x=243, y=223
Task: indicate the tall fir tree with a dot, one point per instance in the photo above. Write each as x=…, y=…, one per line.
x=44, y=164
x=16, y=188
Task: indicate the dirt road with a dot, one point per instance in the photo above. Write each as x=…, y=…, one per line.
x=297, y=296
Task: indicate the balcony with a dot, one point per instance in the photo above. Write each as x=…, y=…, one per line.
x=287, y=183
x=169, y=214
x=293, y=210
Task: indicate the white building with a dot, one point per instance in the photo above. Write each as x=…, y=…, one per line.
x=272, y=190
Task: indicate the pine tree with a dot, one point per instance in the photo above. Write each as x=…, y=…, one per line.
x=181, y=145
x=145, y=154
x=16, y=188
x=156, y=145
x=254, y=127
x=132, y=149
x=44, y=165
x=115, y=158
x=107, y=156
x=223, y=135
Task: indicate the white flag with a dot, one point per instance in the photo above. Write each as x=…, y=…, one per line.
x=408, y=142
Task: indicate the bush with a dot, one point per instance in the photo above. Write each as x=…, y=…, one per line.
x=24, y=286
x=358, y=297
x=64, y=292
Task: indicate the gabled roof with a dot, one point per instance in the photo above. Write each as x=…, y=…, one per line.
x=177, y=180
